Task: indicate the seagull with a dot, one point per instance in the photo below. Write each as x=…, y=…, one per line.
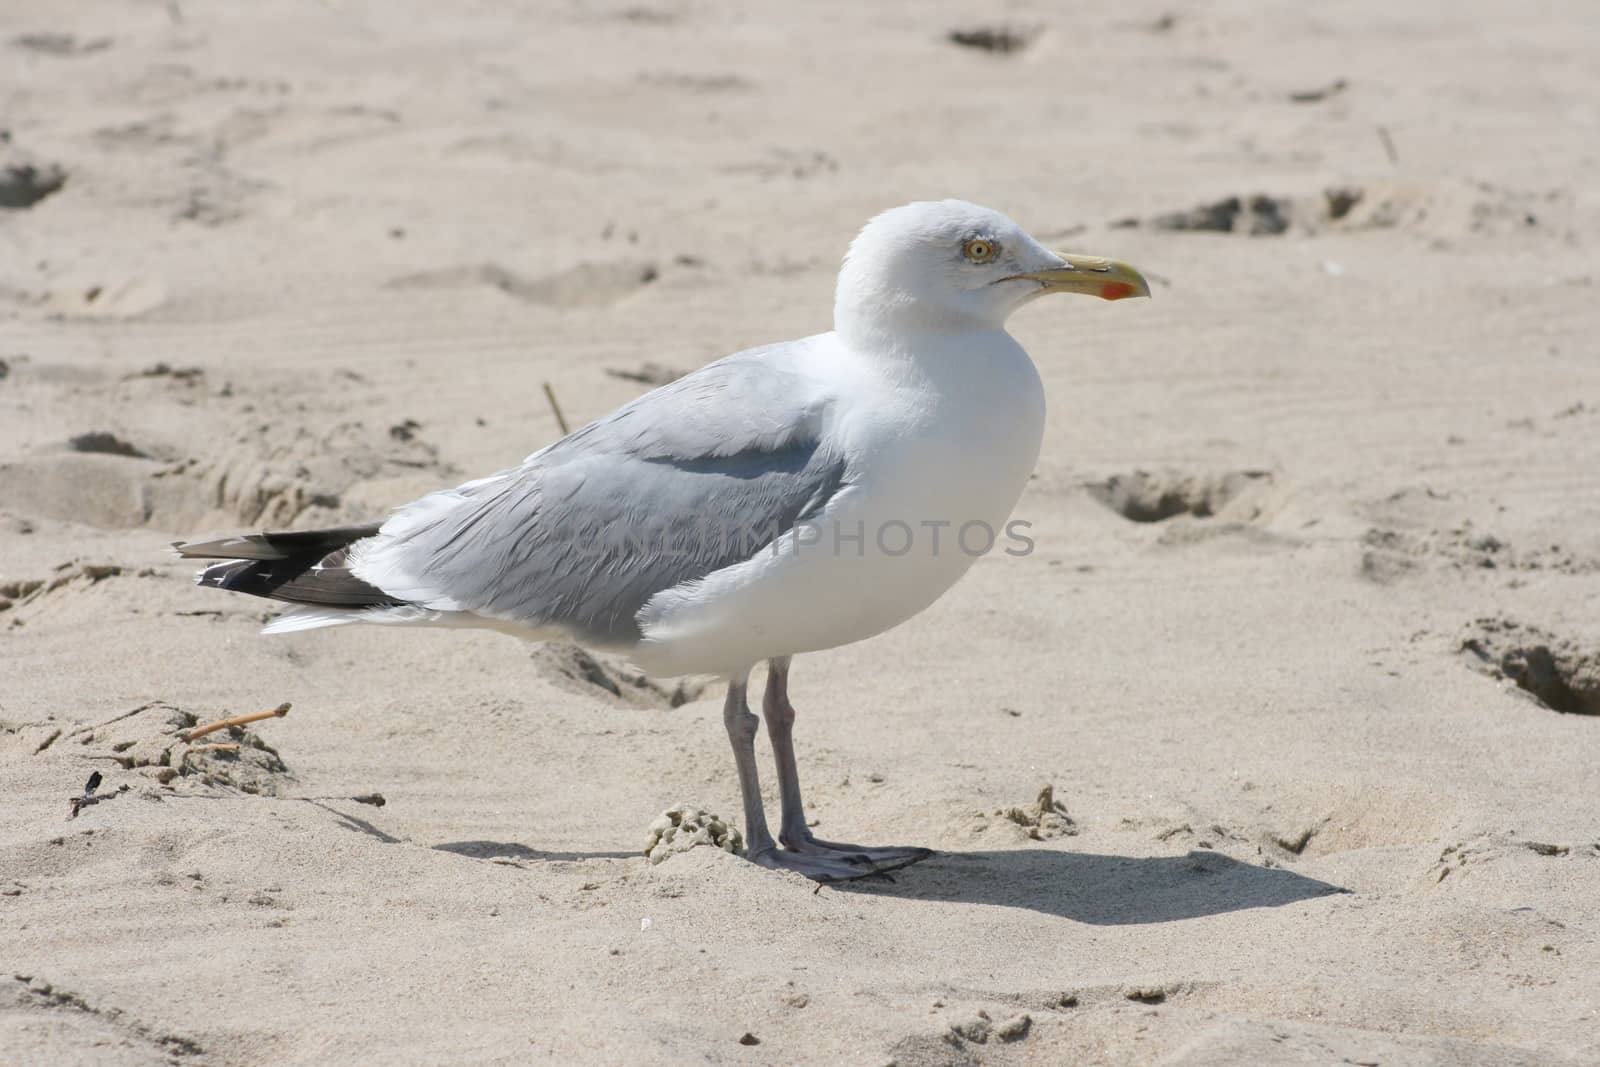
x=786, y=499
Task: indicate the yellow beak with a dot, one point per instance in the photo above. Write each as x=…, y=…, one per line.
x=1091, y=275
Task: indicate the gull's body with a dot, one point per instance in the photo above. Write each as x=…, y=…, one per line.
x=782, y=500
x=923, y=454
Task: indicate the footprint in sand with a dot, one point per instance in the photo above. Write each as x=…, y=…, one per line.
x=105, y=298
x=1439, y=210
x=148, y=742
x=1560, y=673
x=585, y=285
x=1156, y=496
x=577, y=671
x=24, y=184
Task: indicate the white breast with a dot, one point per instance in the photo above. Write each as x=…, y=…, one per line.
x=939, y=453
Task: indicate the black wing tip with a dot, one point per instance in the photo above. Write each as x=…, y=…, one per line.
x=298, y=580
x=308, y=567
x=276, y=545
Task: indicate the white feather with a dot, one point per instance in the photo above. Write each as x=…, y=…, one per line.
x=310, y=619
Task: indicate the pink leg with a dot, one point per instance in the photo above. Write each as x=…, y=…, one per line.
x=793, y=833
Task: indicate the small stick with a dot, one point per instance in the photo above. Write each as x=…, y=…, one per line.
x=561, y=420
x=79, y=803
x=238, y=720
x=89, y=796
x=1388, y=146
x=214, y=748
x=374, y=799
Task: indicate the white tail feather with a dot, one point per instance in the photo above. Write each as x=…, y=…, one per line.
x=310, y=619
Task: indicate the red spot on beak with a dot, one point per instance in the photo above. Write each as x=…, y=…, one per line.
x=1115, y=290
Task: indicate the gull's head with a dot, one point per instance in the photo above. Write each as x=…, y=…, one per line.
x=951, y=265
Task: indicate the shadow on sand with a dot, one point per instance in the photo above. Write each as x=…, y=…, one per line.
x=1083, y=886
x=1100, y=890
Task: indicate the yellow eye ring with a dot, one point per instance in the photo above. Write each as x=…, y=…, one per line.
x=980, y=250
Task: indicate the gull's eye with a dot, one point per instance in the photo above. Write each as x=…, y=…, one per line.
x=980, y=250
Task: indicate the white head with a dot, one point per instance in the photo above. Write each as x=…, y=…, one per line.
x=949, y=265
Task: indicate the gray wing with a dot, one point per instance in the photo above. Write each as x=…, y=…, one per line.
x=684, y=481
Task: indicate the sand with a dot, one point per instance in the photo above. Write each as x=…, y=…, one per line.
x=1302, y=521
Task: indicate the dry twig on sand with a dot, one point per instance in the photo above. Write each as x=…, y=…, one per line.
x=375, y=800
x=238, y=720
x=1388, y=146
x=561, y=420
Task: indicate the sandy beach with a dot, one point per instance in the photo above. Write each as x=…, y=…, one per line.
x=1306, y=651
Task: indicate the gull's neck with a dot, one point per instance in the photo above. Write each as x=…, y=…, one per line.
x=958, y=361
x=904, y=328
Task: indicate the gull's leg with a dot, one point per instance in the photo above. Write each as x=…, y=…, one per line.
x=758, y=843
x=792, y=830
